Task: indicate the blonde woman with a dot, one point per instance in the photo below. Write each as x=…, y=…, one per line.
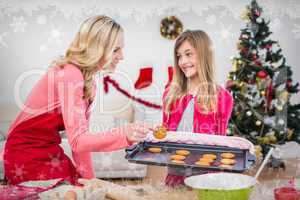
x=193, y=101
x=61, y=101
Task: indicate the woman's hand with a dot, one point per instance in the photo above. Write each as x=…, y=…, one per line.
x=138, y=132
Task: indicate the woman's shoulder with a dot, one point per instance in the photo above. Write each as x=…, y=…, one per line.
x=68, y=71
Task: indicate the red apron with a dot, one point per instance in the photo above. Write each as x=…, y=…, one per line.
x=32, y=151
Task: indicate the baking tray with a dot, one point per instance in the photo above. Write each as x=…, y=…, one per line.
x=139, y=154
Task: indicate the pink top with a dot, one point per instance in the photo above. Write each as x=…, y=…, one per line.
x=210, y=123
x=65, y=91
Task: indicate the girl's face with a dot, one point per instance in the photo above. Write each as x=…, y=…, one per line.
x=187, y=59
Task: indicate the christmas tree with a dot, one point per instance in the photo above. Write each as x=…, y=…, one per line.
x=261, y=84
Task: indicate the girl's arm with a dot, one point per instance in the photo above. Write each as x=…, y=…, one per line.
x=225, y=109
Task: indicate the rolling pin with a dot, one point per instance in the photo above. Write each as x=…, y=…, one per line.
x=113, y=191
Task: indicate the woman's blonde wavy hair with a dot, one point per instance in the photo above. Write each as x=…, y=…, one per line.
x=207, y=90
x=92, y=47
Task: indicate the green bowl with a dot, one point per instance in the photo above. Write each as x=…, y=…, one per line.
x=221, y=186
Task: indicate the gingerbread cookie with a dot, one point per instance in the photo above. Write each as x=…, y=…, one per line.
x=177, y=157
x=160, y=132
x=209, y=155
x=182, y=152
x=227, y=155
x=201, y=163
x=178, y=161
x=154, y=149
x=225, y=166
x=227, y=161
x=208, y=160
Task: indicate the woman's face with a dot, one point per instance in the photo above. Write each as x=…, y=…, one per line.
x=117, y=55
x=187, y=59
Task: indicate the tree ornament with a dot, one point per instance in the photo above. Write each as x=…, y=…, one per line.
x=290, y=133
x=279, y=107
x=258, y=150
x=240, y=62
x=246, y=15
x=281, y=122
x=258, y=123
x=284, y=96
x=170, y=27
x=262, y=74
x=248, y=113
x=263, y=93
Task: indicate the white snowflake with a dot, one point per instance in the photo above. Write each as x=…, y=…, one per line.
x=18, y=172
x=18, y=24
x=296, y=31
x=55, y=162
x=211, y=19
x=54, y=36
x=2, y=42
x=41, y=19
x=225, y=33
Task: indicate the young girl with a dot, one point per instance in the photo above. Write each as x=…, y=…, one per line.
x=193, y=102
x=61, y=101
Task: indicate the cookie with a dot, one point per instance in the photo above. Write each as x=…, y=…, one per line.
x=154, y=149
x=160, y=132
x=209, y=155
x=177, y=157
x=178, y=161
x=201, y=163
x=227, y=155
x=208, y=160
x=227, y=161
x=225, y=166
x=182, y=152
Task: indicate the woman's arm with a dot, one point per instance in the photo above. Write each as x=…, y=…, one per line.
x=70, y=85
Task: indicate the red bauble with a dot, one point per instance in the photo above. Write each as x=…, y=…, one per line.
x=268, y=46
x=229, y=84
x=258, y=63
x=289, y=83
x=257, y=13
x=254, y=56
x=262, y=74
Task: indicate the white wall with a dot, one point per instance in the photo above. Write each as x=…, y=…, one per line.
x=32, y=34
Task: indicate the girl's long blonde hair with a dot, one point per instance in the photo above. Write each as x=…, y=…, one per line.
x=207, y=90
x=93, y=46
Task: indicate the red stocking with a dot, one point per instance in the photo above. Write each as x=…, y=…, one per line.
x=170, y=75
x=145, y=78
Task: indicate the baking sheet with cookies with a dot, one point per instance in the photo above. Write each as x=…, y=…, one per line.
x=203, y=157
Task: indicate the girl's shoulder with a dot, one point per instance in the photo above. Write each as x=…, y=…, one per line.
x=224, y=94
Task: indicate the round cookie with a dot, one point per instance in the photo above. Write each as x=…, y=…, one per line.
x=227, y=161
x=209, y=155
x=182, y=152
x=154, y=149
x=208, y=160
x=178, y=161
x=177, y=157
x=225, y=166
x=227, y=155
x=201, y=163
x=160, y=132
